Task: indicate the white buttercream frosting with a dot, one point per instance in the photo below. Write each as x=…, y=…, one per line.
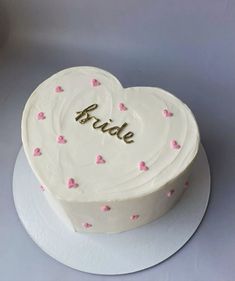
x=119, y=177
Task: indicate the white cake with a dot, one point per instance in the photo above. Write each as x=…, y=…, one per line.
x=109, y=159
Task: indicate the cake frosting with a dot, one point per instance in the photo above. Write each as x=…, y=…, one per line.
x=109, y=158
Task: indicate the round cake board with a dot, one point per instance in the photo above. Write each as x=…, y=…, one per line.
x=111, y=254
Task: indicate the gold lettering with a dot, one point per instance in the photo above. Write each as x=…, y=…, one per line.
x=104, y=126
x=113, y=130
x=121, y=130
x=85, y=111
x=94, y=124
x=84, y=116
x=128, y=136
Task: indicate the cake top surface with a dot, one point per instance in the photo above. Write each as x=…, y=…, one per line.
x=89, y=139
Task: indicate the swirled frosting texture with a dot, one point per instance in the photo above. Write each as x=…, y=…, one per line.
x=120, y=177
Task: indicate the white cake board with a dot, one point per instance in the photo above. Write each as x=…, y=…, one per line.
x=110, y=253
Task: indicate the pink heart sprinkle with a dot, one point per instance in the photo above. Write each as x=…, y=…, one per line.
x=100, y=159
x=105, y=208
x=42, y=187
x=122, y=107
x=134, y=217
x=37, y=152
x=175, y=145
x=59, y=89
x=71, y=183
x=41, y=116
x=95, y=83
x=170, y=193
x=61, y=139
x=143, y=166
x=86, y=225
x=167, y=113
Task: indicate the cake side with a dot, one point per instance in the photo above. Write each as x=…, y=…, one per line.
x=122, y=215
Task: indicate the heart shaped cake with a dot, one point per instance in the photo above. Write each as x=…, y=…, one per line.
x=109, y=159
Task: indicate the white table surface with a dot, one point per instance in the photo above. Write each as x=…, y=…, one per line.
x=186, y=47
